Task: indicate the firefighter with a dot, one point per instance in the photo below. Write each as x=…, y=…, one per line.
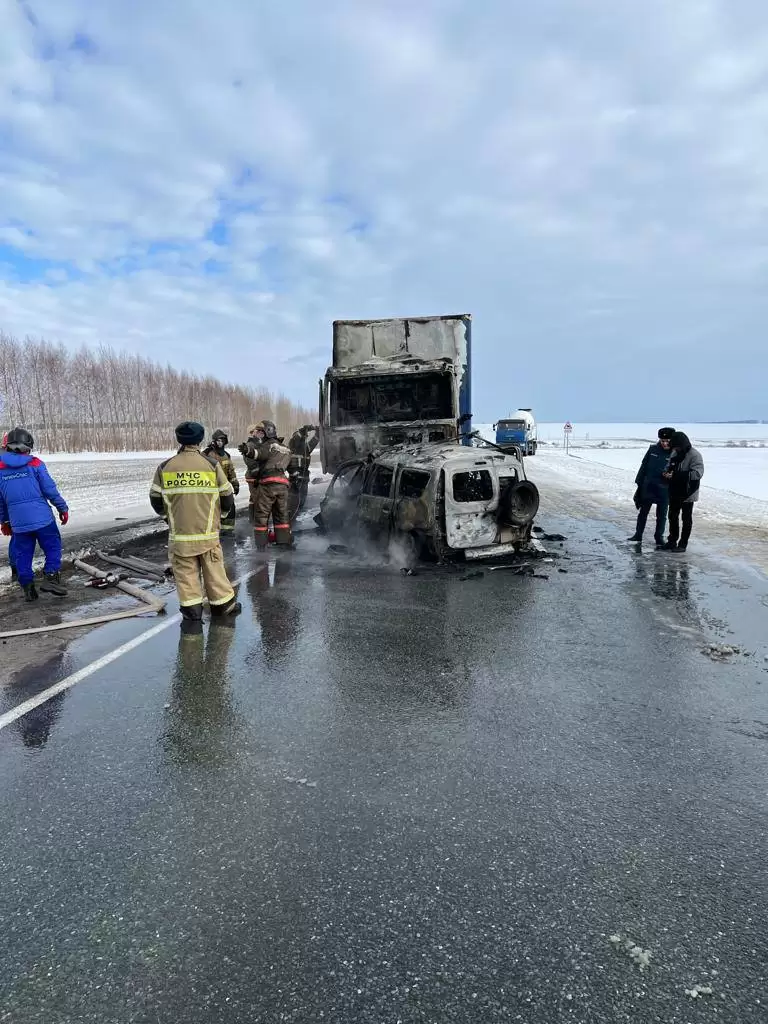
x=302, y=446
x=248, y=450
x=271, y=499
x=191, y=491
x=217, y=450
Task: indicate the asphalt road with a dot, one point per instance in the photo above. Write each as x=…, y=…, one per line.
x=383, y=798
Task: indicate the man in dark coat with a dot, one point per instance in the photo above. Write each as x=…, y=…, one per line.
x=653, y=487
x=686, y=469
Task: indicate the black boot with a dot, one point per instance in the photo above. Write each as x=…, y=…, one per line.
x=191, y=627
x=192, y=613
x=14, y=574
x=52, y=584
x=30, y=592
x=221, y=611
x=635, y=539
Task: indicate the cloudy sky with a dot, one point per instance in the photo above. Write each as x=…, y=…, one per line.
x=212, y=183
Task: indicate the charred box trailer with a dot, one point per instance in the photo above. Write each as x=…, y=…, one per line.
x=395, y=381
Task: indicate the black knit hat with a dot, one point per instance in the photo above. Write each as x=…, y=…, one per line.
x=680, y=441
x=190, y=432
x=666, y=433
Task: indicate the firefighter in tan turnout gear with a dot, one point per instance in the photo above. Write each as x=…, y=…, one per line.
x=248, y=450
x=271, y=498
x=191, y=491
x=217, y=450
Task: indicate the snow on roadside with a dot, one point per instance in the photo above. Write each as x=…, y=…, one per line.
x=55, y=457
x=614, y=486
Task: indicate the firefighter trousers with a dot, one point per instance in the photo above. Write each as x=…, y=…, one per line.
x=227, y=527
x=271, y=499
x=187, y=570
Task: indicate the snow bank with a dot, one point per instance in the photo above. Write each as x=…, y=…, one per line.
x=742, y=471
x=55, y=457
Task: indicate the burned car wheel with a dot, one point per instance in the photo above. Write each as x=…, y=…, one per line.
x=518, y=504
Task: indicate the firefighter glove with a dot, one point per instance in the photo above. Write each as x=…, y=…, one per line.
x=236, y=487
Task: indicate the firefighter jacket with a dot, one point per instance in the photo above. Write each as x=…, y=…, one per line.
x=224, y=459
x=273, y=458
x=191, y=490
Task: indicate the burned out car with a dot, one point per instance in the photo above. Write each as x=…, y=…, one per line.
x=445, y=501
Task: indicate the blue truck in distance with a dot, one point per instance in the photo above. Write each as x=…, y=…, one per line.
x=404, y=380
x=518, y=431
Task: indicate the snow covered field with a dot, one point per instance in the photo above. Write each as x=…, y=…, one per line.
x=628, y=435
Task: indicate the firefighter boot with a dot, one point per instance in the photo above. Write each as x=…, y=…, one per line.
x=230, y=610
x=52, y=584
x=192, y=612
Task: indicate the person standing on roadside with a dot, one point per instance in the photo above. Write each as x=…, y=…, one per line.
x=26, y=495
x=191, y=491
x=11, y=541
x=684, y=475
x=653, y=487
x=217, y=450
x=273, y=458
x=248, y=450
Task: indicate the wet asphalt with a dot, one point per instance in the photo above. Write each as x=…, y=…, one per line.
x=381, y=798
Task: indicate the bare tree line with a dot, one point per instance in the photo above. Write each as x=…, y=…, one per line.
x=107, y=401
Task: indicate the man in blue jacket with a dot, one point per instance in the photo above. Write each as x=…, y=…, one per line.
x=26, y=495
x=653, y=487
x=11, y=544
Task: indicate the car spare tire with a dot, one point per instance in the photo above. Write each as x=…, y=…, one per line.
x=518, y=504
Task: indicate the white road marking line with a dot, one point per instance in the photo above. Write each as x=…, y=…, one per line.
x=88, y=670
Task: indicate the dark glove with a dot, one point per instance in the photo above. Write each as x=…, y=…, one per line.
x=242, y=448
x=5, y=529
x=63, y=518
x=236, y=487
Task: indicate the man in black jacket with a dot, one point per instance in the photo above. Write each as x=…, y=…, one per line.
x=686, y=468
x=653, y=487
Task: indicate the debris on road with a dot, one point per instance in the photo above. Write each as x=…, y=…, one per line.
x=338, y=549
x=555, y=537
x=721, y=652
x=471, y=576
x=642, y=957
x=699, y=990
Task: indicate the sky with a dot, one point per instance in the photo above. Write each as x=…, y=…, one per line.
x=212, y=184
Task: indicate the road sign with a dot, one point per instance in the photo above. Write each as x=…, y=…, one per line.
x=568, y=428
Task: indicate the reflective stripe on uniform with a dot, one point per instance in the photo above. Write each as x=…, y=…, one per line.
x=186, y=490
x=192, y=537
x=274, y=480
x=154, y=489
x=226, y=600
x=211, y=514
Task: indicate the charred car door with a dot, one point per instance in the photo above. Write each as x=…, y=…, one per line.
x=376, y=499
x=471, y=501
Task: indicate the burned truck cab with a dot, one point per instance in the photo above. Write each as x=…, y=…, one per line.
x=394, y=382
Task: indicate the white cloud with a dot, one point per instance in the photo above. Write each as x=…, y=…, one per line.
x=216, y=182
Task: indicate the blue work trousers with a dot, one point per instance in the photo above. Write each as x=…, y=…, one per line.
x=49, y=540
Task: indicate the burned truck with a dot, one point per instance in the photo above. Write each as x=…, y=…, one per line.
x=392, y=382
